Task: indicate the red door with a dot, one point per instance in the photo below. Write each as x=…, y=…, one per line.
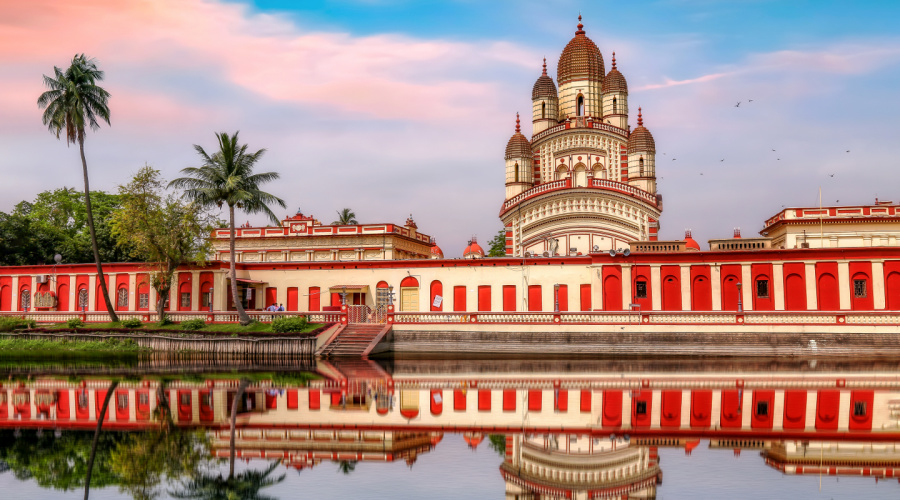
x=459, y=298
x=509, y=298
x=484, y=298
x=794, y=409
x=293, y=299
x=612, y=293
x=585, y=297
x=701, y=408
x=534, y=298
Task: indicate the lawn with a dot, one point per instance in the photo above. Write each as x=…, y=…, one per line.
x=226, y=328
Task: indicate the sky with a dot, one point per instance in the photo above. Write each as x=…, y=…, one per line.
x=399, y=107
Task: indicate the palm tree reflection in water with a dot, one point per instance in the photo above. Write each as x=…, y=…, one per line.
x=245, y=485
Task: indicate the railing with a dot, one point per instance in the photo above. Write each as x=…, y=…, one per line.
x=652, y=318
x=178, y=316
x=581, y=122
x=606, y=184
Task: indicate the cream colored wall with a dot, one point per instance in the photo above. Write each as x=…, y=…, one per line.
x=647, y=182
x=551, y=115
x=620, y=118
x=847, y=234
x=526, y=176
x=603, y=148
x=568, y=94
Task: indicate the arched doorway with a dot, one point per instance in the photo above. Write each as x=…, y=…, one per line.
x=701, y=294
x=730, y=293
x=62, y=297
x=891, y=291
x=829, y=298
x=671, y=293
x=580, y=177
x=409, y=294
x=861, y=293
x=5, y=298
x=794, y=293
x=437, y=296
x=612, y=293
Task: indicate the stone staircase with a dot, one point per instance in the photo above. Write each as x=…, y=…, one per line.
x=352, y=341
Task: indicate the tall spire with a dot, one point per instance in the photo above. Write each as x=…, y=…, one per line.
x=580, y=26
x=518, y=129
x=545, y=67
x=640, y=118
x=614, y=60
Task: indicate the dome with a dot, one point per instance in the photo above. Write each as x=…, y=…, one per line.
x=641, y=140
x=473, y=251
x=473, y=439
x=614, y=81
x=689, y=242
x=544, y=86
x=518, y=146
x=581, y=59
x=436, y=252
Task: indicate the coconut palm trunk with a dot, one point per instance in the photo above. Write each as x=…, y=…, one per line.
x=243, y=317
x=90, y=464
x=90, y=220
x=234, y=406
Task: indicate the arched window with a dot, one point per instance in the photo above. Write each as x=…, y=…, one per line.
x=25, y=300
x=615, y=106
x=82, y=298
x=561, y=172
x=641, y=167
x=580, y=106
x=122, y=298
x=543, y=110
x=517, y=172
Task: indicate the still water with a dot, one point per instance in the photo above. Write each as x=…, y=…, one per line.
x=455, y=428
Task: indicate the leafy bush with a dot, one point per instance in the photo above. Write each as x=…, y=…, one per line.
x=10, y=324
x=165, y=321
x=75, y=323
x=131, y=323
x=289, y=324
x=193, y=324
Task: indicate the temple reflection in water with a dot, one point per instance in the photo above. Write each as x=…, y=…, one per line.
x=565, y=429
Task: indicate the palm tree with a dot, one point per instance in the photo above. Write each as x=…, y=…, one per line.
x=346, y=217
x=73, y=101
x=242, y=386
x=244, y=486
x=227, y=177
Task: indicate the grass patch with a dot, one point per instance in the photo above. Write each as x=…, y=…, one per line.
x=44, y=348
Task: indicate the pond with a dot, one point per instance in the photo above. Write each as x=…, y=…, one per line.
x=514, y=428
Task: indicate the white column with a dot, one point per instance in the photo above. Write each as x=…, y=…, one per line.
x=626, y=287
x=811, y=295
x=132, y=292
x=220, y=290
x=195, y=290
x=686, y=287
x=92, y=292
x=715, y=278
x=878, y=292
x=748, y=288
x=777, y=286
x=655, y=287
x=596, y=288
x=844, y=284
x=152, y=299
x=73, y=293
x=16, y=298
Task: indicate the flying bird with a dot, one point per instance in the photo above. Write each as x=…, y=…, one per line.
x=847, y=151
x=832, y=175
x=723, y=159
x=738, y=104
x=750, y=100
x=773, y=150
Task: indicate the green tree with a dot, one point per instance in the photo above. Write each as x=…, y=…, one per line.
x=226, y=177
x=346, y=217
x=143, y=460
x=243, y=486
x=73, y=101
x=162, y=229
x=56, y=222
x=498, y=245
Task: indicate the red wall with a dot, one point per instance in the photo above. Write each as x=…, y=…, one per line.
x=795, y=286
x=509, y=297
x=484, y=298
x=62, y=293
x=892, y=285
x=612, y=288
x=293, y=299
x=762, y=272
x=534, y=298
x=701, y=289
x=827, y=286
x=6, y=293
x=562, y=295
x=315, y=301
x=585, y=297
x=459, y=298
x=641, y=273
x=671, y=288
x=437, y=288
x=731, y=276
x=271, y=296
x=861, y=271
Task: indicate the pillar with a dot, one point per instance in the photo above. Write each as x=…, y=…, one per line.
x=747, y=287
x=626, y=287
x=92, y=292
x=812, y=301
x=878, y=290
x=715, y=278
x=844, y=284
x=132, y=292
x=655, y=288
x=16, y=299
x=686, y=287
x=195, y=290
x=777, y=287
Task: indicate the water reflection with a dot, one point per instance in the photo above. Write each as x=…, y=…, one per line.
x=561, y=428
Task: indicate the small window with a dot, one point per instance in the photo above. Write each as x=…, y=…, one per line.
x=641, y=167
x=762, y=289
x=640, y=407
x=144, y=300
x=206, y=400
x=615, y=106
x=580, y=105
x=640, y=289
x=859, y=289
x=186, y=299
x=144, y=398
x=122, y=401
x=122, y=297
x=543, y=110
x=186, y=399
x=205, y=299
x=82, y=399
x=26, y=300
x=762, y=408
x=82, y=298
x=859, y=408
